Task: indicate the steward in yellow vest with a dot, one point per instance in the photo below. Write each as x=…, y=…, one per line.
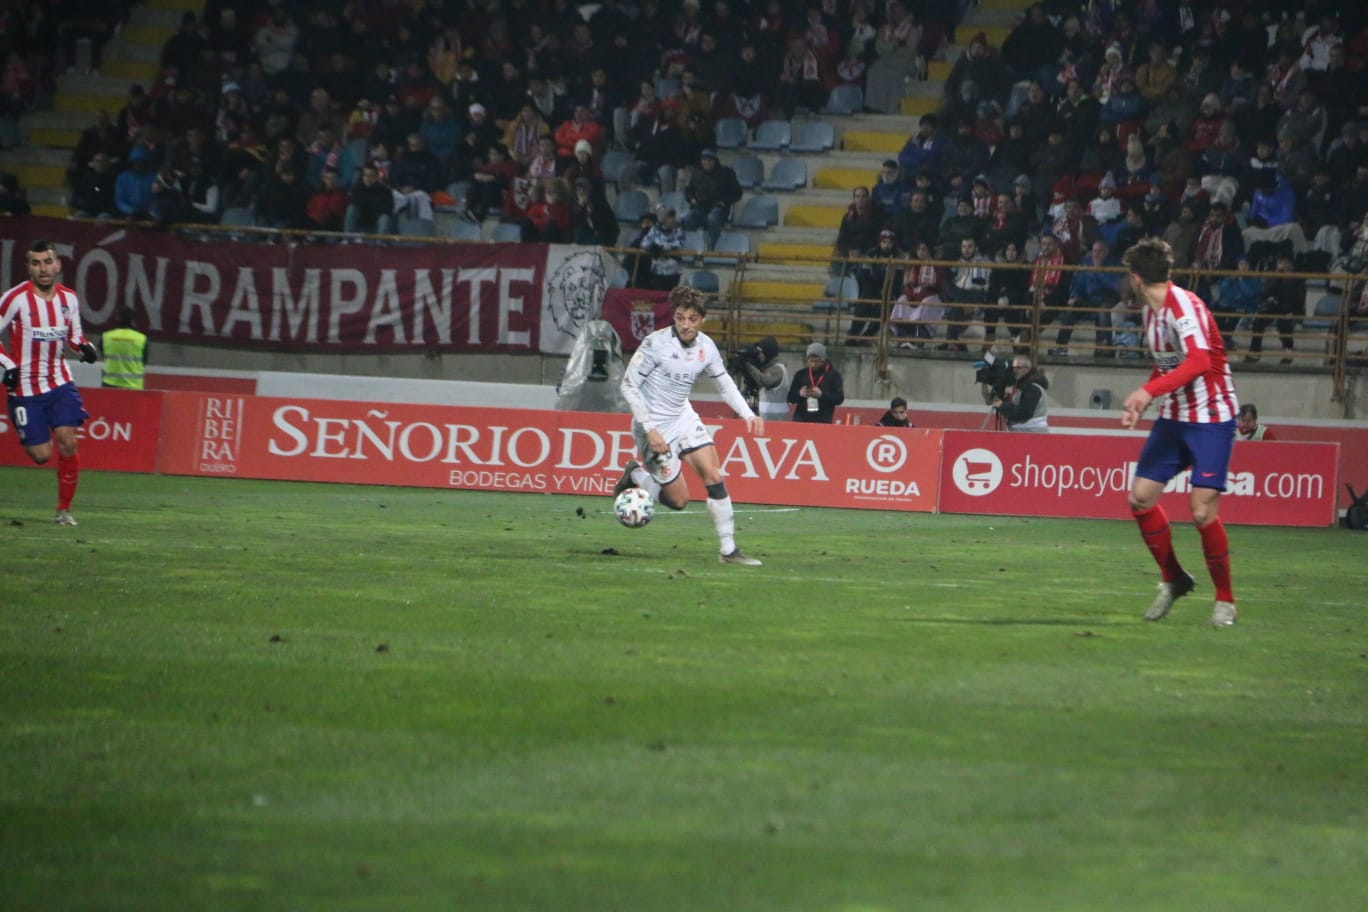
x=125, y=353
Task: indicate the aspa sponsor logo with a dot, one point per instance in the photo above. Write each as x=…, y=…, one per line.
x=885, y=454
x=977, y=472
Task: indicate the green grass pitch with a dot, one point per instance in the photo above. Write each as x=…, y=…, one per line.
x=238, y=695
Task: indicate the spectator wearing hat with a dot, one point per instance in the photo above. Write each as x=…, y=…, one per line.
x=924, y=148
x=963, y=225
x=878, y=278
x=1105, y=208
x=711, y=192
x=479, y=122
x=816, y=389
x=1206, y=126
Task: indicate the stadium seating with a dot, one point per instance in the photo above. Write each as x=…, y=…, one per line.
x=631, y=205
x=459, y=229
x=614, y=160
x=813, y=137
x=758, y=212
x=506, y=233
x=704, y=280
x=772, y=136
x=789, y=174
x=729, y=242
x=750, y=171
x=838, y=294
x=845, y=100
x=416, y=227
x=730, y=133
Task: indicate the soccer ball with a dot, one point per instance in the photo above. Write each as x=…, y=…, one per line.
x=634, y=508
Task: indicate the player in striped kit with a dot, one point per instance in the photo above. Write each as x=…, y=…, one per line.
x=668, y=432
x=44, y=318
x=1195, y=427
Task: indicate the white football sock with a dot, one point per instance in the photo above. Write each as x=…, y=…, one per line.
x=643, y=480
x=724, y=521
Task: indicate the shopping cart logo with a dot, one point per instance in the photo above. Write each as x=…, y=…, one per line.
x=977, y=472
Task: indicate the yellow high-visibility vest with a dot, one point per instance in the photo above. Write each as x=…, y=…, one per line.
x=124, y=353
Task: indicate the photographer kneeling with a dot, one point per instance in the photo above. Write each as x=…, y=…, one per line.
x=1022, y=404
x=763, y=381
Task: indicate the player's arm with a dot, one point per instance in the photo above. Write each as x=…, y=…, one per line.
x=731, y=395
x=76, y=337
x=7, y=315
x=640, y=365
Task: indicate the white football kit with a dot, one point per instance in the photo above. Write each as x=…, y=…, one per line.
x=657, y=384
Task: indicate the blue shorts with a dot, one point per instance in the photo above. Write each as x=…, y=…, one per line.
x=1176, y=445
x=34, y=417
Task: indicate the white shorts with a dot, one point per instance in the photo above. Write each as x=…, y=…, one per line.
x=685, y=434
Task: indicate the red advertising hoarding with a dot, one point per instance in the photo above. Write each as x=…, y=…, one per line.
x=1088, y=476
x=526, y=450
x=121, y=435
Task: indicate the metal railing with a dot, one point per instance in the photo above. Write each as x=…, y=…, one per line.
x=806, y=314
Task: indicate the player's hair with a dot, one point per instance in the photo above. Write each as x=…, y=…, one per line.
x=687, y=297
x=897, y=402
x=1150, y=259
x=42, y=247
x=1249, y=409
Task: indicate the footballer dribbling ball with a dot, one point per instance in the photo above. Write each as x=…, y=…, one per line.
x=634, y=508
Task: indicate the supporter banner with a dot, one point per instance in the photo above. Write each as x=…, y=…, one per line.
x=121, y=435
x=524, y=450
x=1270, y=483
x=354, y=297
x=634, y=314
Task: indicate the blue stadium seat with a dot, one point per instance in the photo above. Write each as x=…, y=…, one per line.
x=631, y=205
x=772, y=136
x=759, y=212
x=789, y=174
x=845, y=100
x=813, y=136
x=730, y=133
x=750, y=171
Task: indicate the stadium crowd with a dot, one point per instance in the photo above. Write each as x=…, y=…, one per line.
x=1229, y=129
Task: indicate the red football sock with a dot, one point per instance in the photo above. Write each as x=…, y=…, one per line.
x=68, y=473
x=1216, y=549
x=1158, y=537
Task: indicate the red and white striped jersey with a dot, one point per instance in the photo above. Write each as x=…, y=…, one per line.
x=39, y=333
x=1182, y=327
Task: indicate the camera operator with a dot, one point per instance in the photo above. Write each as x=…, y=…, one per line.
x=1022, y=405
x=764, y=382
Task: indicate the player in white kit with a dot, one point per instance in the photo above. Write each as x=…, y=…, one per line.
x=668, y=431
